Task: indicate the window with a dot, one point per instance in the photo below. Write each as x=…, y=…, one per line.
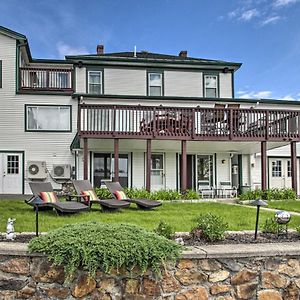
x=276, y=168
x=48, y=118
x=13, y=164
x=0, y=74
x=155, y=84
x=289, y=168
x=95, y=82
x=211, y=86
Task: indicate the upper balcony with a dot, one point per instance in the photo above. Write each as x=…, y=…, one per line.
x=45, y=80
x=212, y=124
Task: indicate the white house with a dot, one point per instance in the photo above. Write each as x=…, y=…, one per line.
x=145, y=119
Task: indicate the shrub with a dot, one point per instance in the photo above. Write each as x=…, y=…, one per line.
x=210, y=227
x=92, y=245
x=164, y=229
x=190, y=195
x=270, y=226
x=137, y=193
x=165, y=195
x=271, y=194
x=103, y=193
x=298, y=229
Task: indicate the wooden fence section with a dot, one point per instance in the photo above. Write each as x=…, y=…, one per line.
x=145, y=122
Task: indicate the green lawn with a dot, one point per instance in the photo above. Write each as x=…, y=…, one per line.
x=285, y=205
x=178, y=215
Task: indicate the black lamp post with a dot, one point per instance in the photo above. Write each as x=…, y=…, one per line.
x=258, y=203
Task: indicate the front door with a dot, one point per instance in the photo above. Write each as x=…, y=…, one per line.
x=157, y=172
x=11, y=170
x=280, y=173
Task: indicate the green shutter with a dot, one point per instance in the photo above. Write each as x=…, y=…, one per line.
x=0, y=73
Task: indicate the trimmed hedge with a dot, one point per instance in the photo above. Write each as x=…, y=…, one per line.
x=271, y=194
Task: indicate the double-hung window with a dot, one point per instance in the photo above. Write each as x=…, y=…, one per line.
x=155, y=87
x=48, y=118
x=276, y=168
x=95, y=82
x=211, y=86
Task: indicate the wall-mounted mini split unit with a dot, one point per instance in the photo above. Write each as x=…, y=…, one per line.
x=36, y=170
x=62, y=171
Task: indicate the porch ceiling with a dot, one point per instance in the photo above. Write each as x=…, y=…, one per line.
x=128, y=145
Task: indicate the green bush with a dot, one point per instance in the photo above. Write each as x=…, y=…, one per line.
x=298, y=229
x=271, y=194
x=270, y=226
x=92, y=245
x=164, y=229
x=190, y=195
x=210, y=227
x=103, y=193
x=137, y=193
x=165, y=195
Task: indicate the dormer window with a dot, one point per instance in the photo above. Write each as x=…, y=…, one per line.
x=211, y=86
x=155, y=87
x=95, y=82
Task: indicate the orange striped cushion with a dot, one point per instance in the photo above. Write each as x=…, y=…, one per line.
x=120, y=195
x=92, y=195
x=48, y=197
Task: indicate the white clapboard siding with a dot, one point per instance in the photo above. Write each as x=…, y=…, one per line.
x=170, y=170
x=183, y=84
x=124, y=81
x=80, y=80
x=245, y=170
x=225, y=85
x=138, y=166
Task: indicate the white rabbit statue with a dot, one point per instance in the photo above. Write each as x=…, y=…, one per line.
x=10, y=231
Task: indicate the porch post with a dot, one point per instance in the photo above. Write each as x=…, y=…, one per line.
x=183, y=166
x=116, y=160
x=264, y=165
x=294, y=166
x=148, y=166
x=85, y=158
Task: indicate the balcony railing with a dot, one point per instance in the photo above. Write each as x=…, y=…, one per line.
x=108, y=121
x=37, y=79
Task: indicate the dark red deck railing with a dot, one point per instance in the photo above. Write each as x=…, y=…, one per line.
x=108, y=121
x=37, y=79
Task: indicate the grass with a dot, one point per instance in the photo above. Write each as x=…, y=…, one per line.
x=285, y=205
x=178, y=215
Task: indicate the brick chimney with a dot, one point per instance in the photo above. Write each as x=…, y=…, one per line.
x=100, y=49
x=183, y=53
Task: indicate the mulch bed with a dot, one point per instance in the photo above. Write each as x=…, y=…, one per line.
x=245, y=238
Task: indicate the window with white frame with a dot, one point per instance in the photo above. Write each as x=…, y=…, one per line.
x=276, y=168
x=289, y=168
x=95, y=82
x=211, y=86
x=48, y=118
x=155, y=84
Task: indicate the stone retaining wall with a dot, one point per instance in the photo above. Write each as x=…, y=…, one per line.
x=201, y=274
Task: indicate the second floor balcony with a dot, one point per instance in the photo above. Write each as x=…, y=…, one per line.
x=146, y=122
x=45, y=80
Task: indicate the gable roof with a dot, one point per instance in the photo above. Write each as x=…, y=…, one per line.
x=12, y=34
x=145, y=56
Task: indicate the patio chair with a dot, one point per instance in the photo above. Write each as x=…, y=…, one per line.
x=83, y=186
x=115, y=188
x=45, y=199
x=205, y=189
x=228, y=190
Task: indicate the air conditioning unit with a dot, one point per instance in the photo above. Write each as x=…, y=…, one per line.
x=36, y=170
x=61, y=171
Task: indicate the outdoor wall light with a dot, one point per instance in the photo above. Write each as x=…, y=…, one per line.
x=223, y=161
x=258, y=203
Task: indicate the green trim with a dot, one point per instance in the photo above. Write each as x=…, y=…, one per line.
x=95, y=69
x=12, y=33
x=232, y=85
x=153, y=71
x=48, y=105
x=209, y=73
x=75, y=144
x=23, y=165
x=174, y=98
x=216, y=179
x=240, y=169
x=0, y=74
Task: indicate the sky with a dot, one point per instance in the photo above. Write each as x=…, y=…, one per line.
x=264, y=35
